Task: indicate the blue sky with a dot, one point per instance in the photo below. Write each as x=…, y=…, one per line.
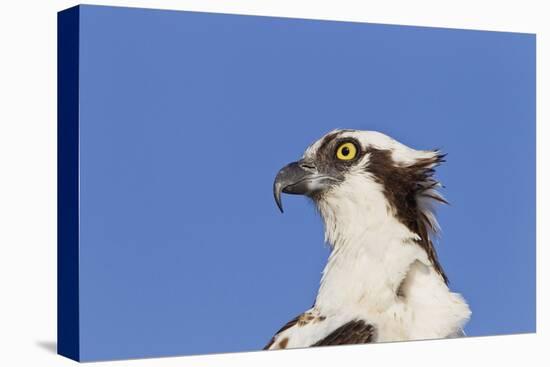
x=187, y=117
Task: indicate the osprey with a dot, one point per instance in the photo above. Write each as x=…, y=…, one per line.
x=382, y=281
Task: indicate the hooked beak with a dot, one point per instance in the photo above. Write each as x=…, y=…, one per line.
x=299, y=178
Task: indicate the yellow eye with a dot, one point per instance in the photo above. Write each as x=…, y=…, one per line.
x=346, y=152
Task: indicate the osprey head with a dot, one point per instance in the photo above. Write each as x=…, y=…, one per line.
x=361, y=178
x=330, y=164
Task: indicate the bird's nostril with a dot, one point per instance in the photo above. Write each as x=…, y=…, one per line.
x=308, y=166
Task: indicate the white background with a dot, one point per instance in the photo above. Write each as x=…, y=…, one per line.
x=28, y=181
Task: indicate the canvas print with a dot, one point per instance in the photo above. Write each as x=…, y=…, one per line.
x=232, y=183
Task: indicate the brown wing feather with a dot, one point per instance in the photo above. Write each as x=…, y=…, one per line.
x=353, y=332
x=288, y=325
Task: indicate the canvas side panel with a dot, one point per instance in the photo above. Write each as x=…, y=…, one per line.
x=67, y=183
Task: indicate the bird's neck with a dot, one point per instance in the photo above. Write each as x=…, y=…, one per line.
x=372, y=253
x=378, y=272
